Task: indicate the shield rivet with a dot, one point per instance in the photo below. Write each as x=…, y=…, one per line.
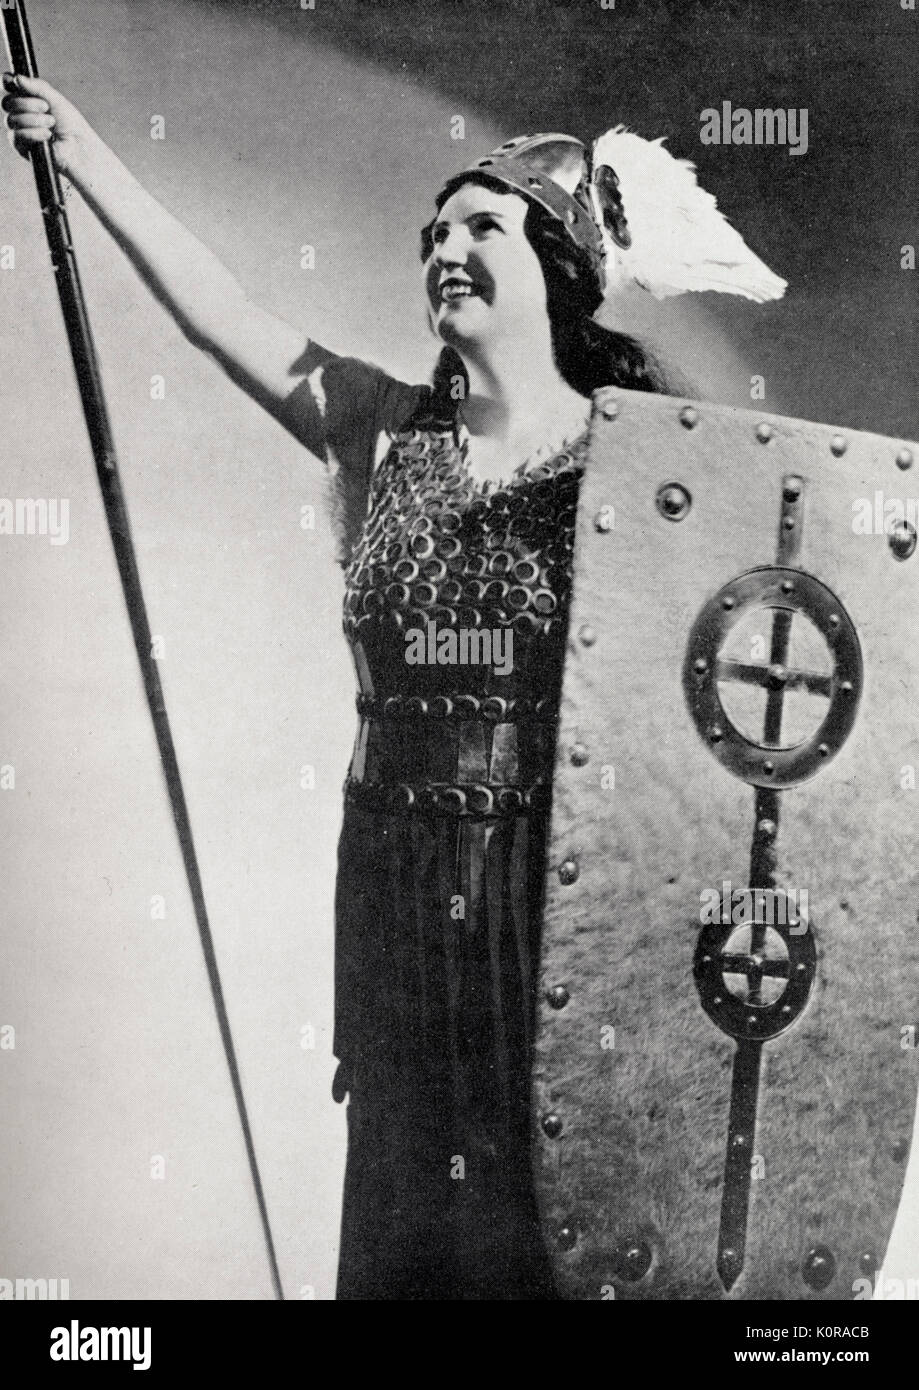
x=727, y=603
x=767, y=827
x=819, y=1267
x=905, y=459
x=739, y=1141
x=833, y=620
x=824, y=750
x=768, y=767
x=557, y=997
x=764, y=433
x=631, y=1259
x=902, y=540
x=838, y=445
x=787, y=586
x=603, y=521
x=792, y=489
x=587, y=635
x=716, y=733
x=552, y=1126
x=700, y=665
x=609, y=410
x=789, y=523
x=579, y=754
x=567, y=1238
x=777, y=677
x=689, y=417
x=568, y=872
x=867, y=1263
x=673, y=501
x=899, y=1150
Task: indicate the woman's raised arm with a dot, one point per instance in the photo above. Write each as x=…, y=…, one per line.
x=257, y=350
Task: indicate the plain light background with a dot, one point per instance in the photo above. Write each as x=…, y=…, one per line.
x=331, y=128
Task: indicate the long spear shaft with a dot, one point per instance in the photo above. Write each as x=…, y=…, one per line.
x=82, y=349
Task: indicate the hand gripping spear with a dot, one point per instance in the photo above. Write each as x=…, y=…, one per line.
x=83, y=352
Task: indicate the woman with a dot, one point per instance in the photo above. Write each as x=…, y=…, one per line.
x=456, y=506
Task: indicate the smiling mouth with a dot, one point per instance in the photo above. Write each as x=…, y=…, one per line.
x=452, y=291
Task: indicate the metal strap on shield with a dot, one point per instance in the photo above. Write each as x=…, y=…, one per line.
x=725, y=1067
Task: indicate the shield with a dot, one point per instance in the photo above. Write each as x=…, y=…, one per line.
x=725, y=1063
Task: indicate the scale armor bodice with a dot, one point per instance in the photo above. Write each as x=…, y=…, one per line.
x=440, y=550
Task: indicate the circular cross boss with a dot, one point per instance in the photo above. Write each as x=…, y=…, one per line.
x=788, y=592
x=754, y=980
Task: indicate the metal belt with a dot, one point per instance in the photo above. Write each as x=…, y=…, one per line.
x=471, y=752
x=471, y=799
x=458, y=705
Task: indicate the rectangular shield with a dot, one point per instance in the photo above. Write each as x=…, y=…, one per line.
x=725, y=1067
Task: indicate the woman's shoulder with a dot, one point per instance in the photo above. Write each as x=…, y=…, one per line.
x=348, y=412
x=346, y=395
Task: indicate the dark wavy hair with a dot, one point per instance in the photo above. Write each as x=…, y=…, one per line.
x=586, y=354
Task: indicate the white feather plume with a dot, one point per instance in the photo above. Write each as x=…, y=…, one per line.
x=680, y=241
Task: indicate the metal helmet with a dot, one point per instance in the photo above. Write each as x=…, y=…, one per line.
x=555, y=171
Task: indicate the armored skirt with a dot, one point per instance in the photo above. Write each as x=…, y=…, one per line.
x=455, y=611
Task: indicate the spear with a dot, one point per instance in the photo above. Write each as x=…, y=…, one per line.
x=89, y=380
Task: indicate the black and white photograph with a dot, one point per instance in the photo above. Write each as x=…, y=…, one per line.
x=459, y=697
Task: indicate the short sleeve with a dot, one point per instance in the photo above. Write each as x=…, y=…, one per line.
x=346, y=412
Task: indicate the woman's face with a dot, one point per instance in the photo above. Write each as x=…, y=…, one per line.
x=484, y=281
